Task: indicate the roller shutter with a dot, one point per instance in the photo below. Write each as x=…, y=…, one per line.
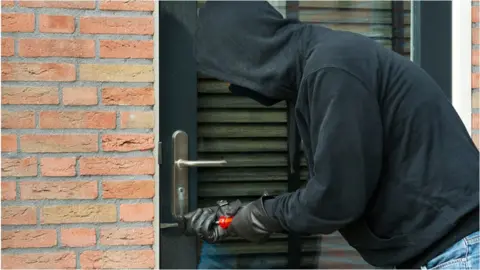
x=253, y=139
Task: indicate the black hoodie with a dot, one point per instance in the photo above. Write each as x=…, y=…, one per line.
x=392, y=166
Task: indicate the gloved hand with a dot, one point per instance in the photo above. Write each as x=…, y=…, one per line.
x=202, y=222
x=250, y=222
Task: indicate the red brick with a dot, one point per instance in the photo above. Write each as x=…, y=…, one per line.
x=475, y=80
x=38, y=72
x=7, y=3
x=476, y=35
x=475, y=14
x=29, y=238
x=127, y=142
x=136, y=212
x=80, y=96
x=128, y=189
x=126, y=236
x=137, y=120
x=61, y=143
x=79, y=213
x=117, y=25
x=83, y=4
x=126, y=49
x=116, y=73
x=9, y=191
x=134, y=5
x=19, y=166
x=58, y=190
x=56, y=260
x=29, y=95
x=18, y=22
x=56, y=24
x=81, y=48
x=475, y=120
x=122, y=259
x=128, y=96
x=117, y=166
x=9, y=143
x=8, y=46
x=18, y=215
x=58, y=166
x=476, y=57
x=77, y=119
x=78, y=237
x=18, y=119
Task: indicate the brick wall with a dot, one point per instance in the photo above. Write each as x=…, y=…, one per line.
x=476, y=71
x=77, y=134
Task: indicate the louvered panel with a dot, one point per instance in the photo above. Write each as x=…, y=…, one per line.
x=370, y=18
x=253, y=140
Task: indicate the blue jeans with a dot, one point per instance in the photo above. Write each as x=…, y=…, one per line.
x=217, y=257
x=465, y=254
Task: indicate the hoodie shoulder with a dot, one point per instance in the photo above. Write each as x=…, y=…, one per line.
x=353, y=53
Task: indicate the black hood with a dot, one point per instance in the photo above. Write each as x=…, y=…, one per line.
x=251, y=46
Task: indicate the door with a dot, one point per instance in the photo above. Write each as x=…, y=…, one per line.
x=243, y=149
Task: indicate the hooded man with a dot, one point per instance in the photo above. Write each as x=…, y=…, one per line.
x=392, y=167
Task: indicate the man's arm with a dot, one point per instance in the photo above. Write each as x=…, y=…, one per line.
x=346, y=134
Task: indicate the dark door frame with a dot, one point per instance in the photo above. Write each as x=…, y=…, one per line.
x=431, y=33
x=432, y=40
x=178, y=111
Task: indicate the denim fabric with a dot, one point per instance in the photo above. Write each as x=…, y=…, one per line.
x=465, y=254
x=217, y=260
x=217, y=257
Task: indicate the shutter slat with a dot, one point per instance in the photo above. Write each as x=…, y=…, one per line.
x=370, y=17
x=250, y=116
x=232, y=102
x=248, y=248
x=376, y=5
x=241, y=131
x=242, y=174
x=373, y=31
x=223, y=190
x=255, y=160
x=242, y=145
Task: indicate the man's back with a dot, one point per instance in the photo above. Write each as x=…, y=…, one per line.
x=430, y=169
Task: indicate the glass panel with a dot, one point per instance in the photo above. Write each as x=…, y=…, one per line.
x=253, y=139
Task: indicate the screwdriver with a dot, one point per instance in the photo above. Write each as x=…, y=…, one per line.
x=224, y=222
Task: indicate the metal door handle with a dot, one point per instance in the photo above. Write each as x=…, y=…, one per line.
x=180, y=172
x=200, y=163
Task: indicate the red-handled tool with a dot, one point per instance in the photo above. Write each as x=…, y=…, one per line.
x=224, y=222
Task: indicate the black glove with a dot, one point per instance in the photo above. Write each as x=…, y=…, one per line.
x=202, y=222
x=253, y=224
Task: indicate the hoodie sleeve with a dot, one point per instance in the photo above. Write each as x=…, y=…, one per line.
x=344, y=126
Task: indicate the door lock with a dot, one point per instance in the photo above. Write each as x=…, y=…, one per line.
x=180, y=165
